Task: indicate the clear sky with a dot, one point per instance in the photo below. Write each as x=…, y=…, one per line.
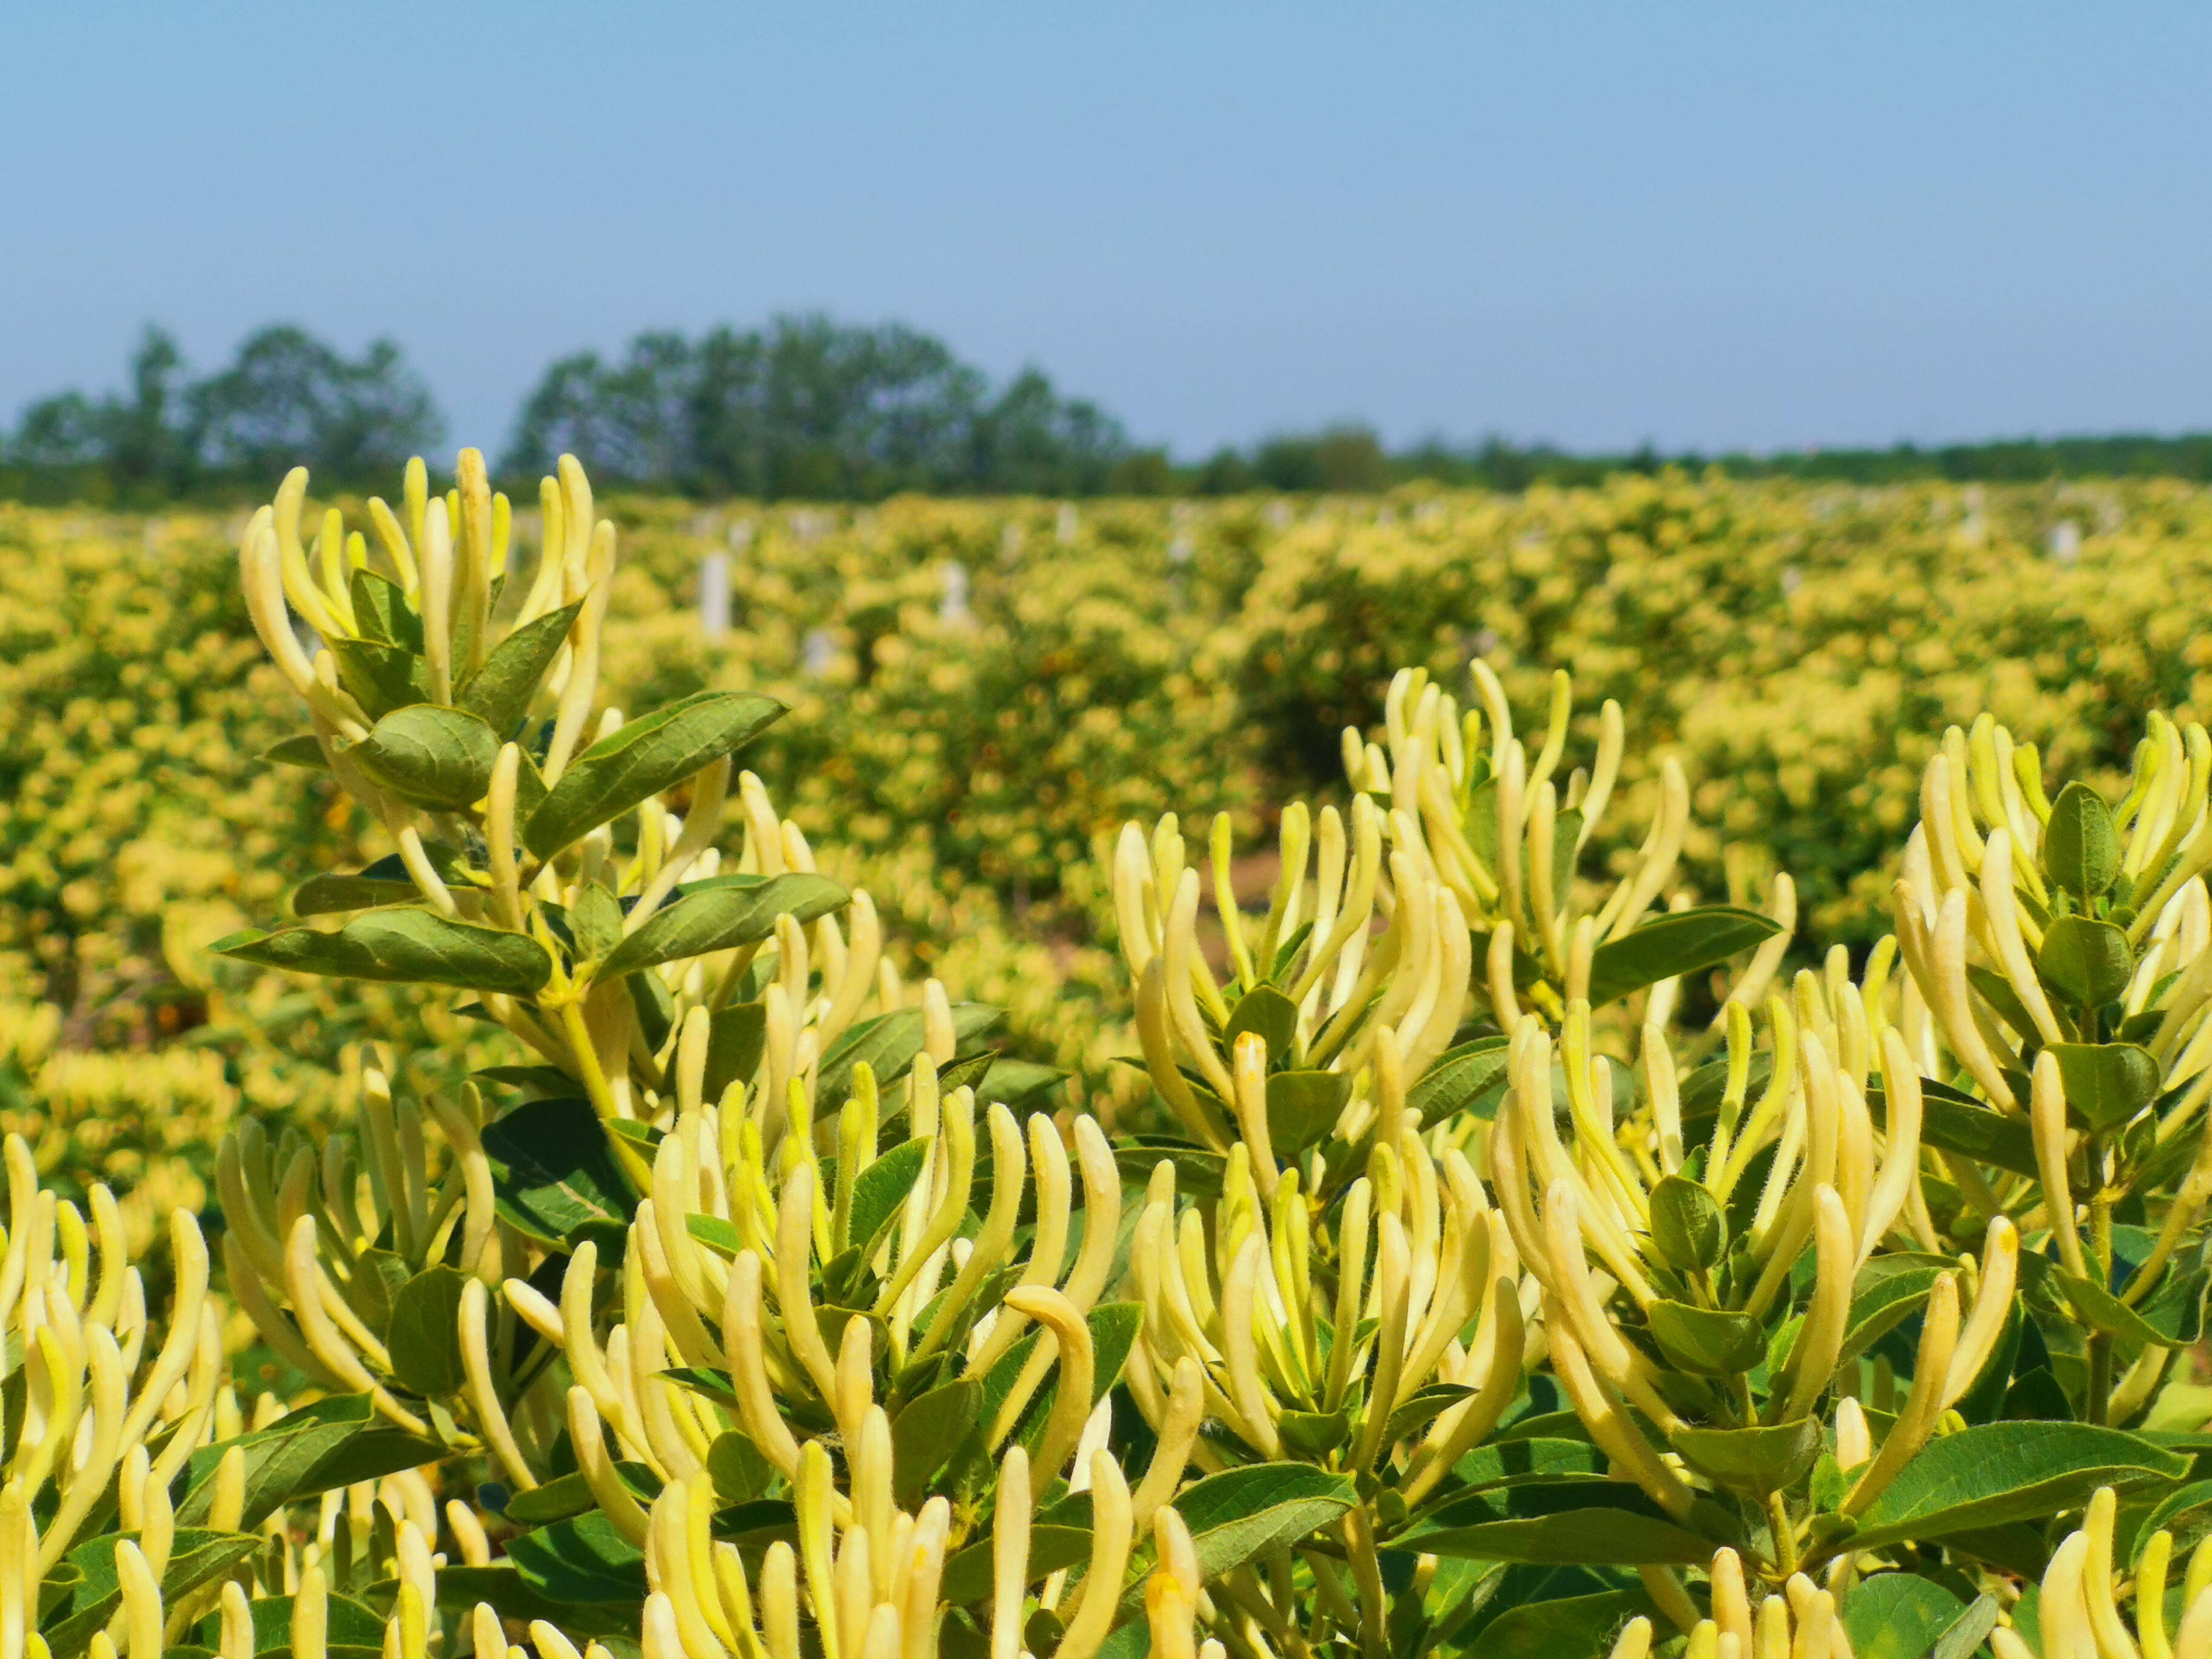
x=1696, y=224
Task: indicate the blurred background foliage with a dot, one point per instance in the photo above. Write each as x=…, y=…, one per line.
x=982, y=690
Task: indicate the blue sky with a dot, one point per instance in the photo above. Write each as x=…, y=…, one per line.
x=1698, y=224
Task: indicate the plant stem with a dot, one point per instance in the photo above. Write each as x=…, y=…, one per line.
x=1785, y=1535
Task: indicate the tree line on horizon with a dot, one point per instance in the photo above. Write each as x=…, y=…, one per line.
x=809, y=408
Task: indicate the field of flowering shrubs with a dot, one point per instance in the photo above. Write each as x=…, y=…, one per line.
x=1600, y=1072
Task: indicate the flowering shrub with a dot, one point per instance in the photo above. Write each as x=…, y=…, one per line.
x=616, y=1236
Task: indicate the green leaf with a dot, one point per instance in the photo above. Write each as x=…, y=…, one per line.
x=1898, y=1615
x=925, y=1434
x=379, y=677
x=440, y=758
x=197, y=1557
x=583, y=1560
x=384, y=882
x=405, y=947
x=1957, y=1122
x=721, y=914
x=1687, y=1228
x=881, y=1188
x=2101, y=1310
x=1680, y=942
x=1241, y=1513
x=553, y=1171
x=500, y=692
x=2081, y=846
x=424, y=1338
x=1303, y=1106
x=648, y=754
x=1422, y=1406
x=1984, y=1476
x=1113, y=1327
x=736, y=1039
x=1711, y=1341
x=1458, y=1078
x=351, y=1627
x=1565, y=1627
x=1886, y=1297
x=335, y=1442
x=514, y=1597
x=716, y=1234
x=303, y=751
x=2107, y=1082
x=1964, y=1636
x=1016, y=1083
x=2085, y=960
x=596, y=925
x=1557, y=1524
x=1267, y=1012
x=888, y=1043
x=1315, y=1433
x=1507, y=1463
x=382, y=612
x=1756, y=1461
x=1199, y=1170
x=968, y=1576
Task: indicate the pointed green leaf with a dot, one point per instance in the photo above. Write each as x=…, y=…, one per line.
x=2086, y=961
x=440, y=758
x=650, y=754
x=196, y=1557
x=553, y=1171
x=384, y=882
x=1557, y=1524
x=1457, y=1078
x=304, y=751
x=583, y=1560
x=2107, y=1082
x=1243, y=1513
x=1581, y=1626
x=424, y=1336
x=333, y=1443
x=721, y=914
x=407, y=947
x=1711, y=1341
x=1303, y=1106
x=2081, y=846
x=888, y=1043
x=382, y=613
x=378, y=677
x=1267, y=1012
x=1994, y=1473
x=881, y=1188
x=1687, y=1228
x=736, y=1039
x=1757, y=1460
x=926, y=1433
x=1899, y=1615
x=1682, y=942
x=501, y=692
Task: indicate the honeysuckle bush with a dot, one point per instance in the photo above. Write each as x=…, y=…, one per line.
x=1529, y=1261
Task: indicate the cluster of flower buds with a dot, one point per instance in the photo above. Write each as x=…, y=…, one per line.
x=337, y=1253
x=101, y=1379
x=2060, y=959
x=2077, y=1613
x=1277, y=1057
x=1667, y=1244
x=1505, y=837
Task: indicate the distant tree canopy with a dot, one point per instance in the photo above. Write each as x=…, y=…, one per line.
x=286, y=399
x=810, y=408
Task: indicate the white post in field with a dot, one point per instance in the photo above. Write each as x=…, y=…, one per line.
x=714, y=596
